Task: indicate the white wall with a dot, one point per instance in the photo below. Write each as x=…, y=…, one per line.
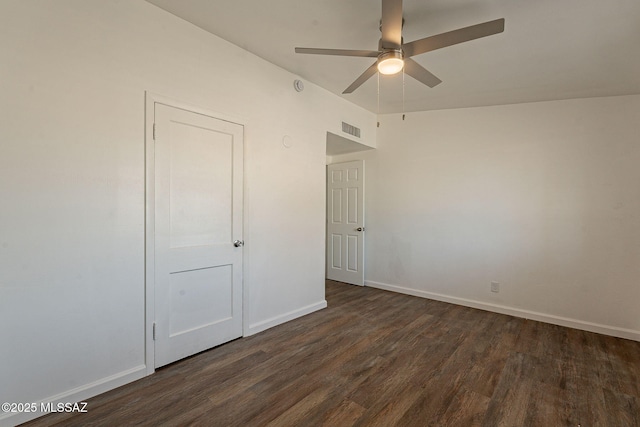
x=73, y=79
x=543, y=198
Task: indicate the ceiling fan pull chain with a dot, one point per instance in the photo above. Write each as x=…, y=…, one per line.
x=378, y=124
x=403, y=93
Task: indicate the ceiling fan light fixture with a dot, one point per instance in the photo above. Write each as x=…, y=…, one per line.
x=390, y=62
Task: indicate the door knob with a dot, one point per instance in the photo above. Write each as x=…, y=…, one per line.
x=238, y=243
x=360, y=229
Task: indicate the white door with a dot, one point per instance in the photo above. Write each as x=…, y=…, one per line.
x=345, y=222
x=198, y=216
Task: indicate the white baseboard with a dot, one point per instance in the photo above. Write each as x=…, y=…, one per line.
x=77, y=395
x=629, y=334
x=275, y=321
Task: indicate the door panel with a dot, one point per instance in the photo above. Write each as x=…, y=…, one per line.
x=352, y=205
x=336, y=210
x=200, y=298
x=352, y=253
x=345, y=216
x=336, y=246
x=200, y=165
x=198, y=215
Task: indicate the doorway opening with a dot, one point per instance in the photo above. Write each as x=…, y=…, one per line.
x=345, y=213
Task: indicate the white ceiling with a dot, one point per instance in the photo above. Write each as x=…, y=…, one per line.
x=550, y=49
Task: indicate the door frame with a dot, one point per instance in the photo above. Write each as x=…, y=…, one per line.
x=149, y=227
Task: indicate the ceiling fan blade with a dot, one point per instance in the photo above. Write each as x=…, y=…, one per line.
x=340, y=52
x=419, y=73
x=453, y=37
x=391, y=24
x=363, y=78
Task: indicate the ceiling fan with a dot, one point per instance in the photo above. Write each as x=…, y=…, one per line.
x=394, y=55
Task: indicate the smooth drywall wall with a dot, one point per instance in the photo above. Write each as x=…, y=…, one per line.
x=543, y=198
x=72, y=184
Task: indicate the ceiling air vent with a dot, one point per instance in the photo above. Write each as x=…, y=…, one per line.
x=350, y=129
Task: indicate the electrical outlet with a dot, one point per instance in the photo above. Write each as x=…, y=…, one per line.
x=495, y=287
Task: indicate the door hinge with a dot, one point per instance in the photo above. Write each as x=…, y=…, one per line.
x=154, y=131
x=154, y=331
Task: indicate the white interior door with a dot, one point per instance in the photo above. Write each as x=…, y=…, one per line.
x=345, y=222
x=198, y=216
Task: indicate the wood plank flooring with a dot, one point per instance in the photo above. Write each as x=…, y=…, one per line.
x=376, y=358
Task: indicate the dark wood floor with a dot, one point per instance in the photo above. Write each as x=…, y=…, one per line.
x=375, y=358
